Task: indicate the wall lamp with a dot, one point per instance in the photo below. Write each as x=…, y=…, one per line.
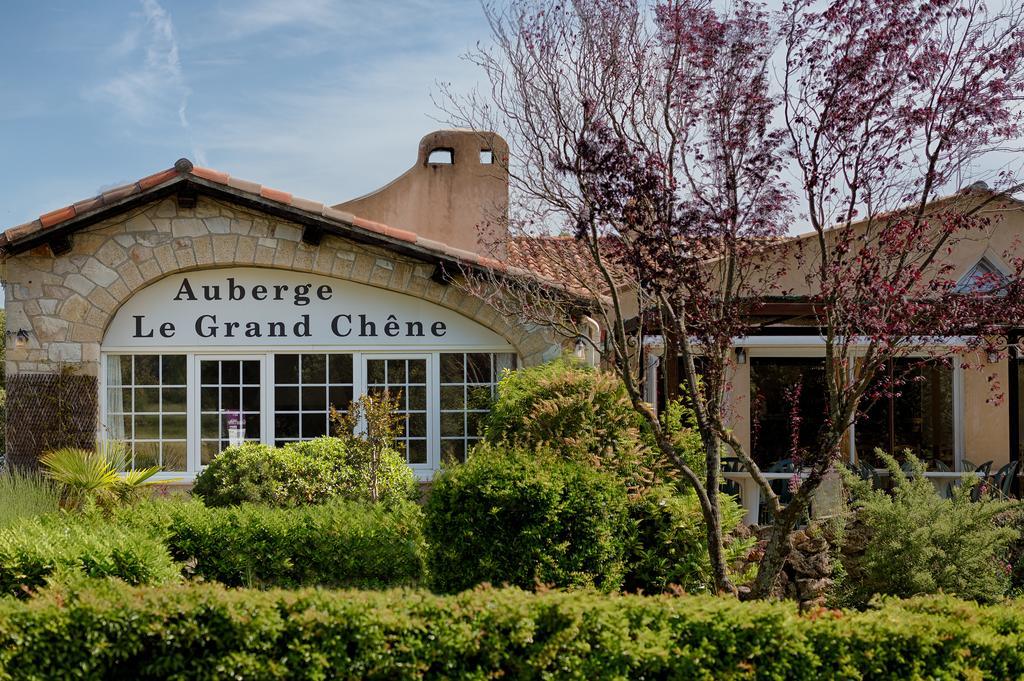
x=741, y=355
x=20, y=337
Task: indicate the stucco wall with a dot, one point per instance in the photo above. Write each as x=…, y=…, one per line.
x=66, y=302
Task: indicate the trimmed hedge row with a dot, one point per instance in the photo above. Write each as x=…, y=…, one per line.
x=338, y=544
x=110, y=630
x=36, y=550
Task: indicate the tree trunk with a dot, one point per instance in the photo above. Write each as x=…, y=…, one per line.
x=777, y=549
x=716, y=547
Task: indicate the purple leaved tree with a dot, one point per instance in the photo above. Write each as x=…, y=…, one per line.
x=662, y=144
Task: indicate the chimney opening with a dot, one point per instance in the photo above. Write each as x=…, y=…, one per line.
x=486, y=157
x=441, y=156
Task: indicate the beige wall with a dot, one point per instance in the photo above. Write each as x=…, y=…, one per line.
x=462, y=204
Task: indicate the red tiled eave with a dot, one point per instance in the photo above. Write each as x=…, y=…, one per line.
x=183, y=169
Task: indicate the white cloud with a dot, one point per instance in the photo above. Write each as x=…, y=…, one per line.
x=154, y=85
x=256, y=16
x=335, y=142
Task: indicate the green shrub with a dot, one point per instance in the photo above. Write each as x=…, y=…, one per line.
x=25, y=494
x=526, y=518
x=921, y=543
x=669, y=546
x=208, y=632
x=341, y=543
x=33, y=551
x=299, y=474
x=575, y=411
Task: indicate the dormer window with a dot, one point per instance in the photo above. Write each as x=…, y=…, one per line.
x=985, y=276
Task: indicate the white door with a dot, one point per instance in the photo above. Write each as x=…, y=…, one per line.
x=230, y=392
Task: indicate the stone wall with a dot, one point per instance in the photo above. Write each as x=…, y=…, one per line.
x=66, y=302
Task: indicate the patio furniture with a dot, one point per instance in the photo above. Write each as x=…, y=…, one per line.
x=982, y=472
x=731, y=464
x=1002, y=481
x=938, y=466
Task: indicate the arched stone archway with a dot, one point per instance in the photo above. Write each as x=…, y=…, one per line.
x=67, y=302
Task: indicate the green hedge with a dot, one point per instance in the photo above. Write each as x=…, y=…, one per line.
x=525, y=518
x=207, y=632
x=339, y=544
x=301, y=473
x=35, y=550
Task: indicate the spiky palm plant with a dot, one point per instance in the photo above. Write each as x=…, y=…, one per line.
x=95, y=473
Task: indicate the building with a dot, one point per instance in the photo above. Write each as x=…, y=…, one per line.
x=163, y=311
x=157, y=312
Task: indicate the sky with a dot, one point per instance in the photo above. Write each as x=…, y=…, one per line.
x=325, y=99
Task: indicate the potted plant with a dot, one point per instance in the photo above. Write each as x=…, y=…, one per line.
x=236, y=427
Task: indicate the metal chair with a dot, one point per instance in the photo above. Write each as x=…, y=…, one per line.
x=938, y=466
x=982, y=472
x=1002, y=481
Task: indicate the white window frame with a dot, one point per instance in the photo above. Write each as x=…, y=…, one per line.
x=424, y=472
x=195, y=443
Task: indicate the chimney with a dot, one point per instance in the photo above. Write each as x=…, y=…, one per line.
x=457, y=193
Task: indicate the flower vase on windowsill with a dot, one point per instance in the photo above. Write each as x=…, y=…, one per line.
x=236, y=428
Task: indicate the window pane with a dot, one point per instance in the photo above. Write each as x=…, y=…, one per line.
x=340, y=368
x=147, y=369
x=209, y=373
x=119, y=400
x=453, y=423
x=147, y=427
x=173, y=427
x=314, y=368
x=173, y=367
x=174, y=399
x=396, y=371
x=340, y=397
x=286, y=369
x=417, y=451
x=781, y=388
x=174, y=456
x=119, y=370
x=251, y=399
x=453, y=451
x=287, y=425
x=374, y=371
x=314, y=398
x=251, y=373
x=452, y=397
x=313, y=425
x=286, y=399
x=147, y=454
x=478, y=367
x=417, y=371
x=147, y=399
x=452, y=367
x=231, y=373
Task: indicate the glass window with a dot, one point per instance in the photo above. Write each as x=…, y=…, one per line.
x=229, y=400
x=788, y=406
x=406, y=381
x=468, y=381
x=916, y=416
x=305, y=387
x=147, y=408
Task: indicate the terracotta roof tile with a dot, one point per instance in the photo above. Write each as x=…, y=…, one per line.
x=157, y=178
x=244, y=185
x=339, y=215
x=275, y=195
x=307, y=205
x=58, y=216
x=211, y=175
